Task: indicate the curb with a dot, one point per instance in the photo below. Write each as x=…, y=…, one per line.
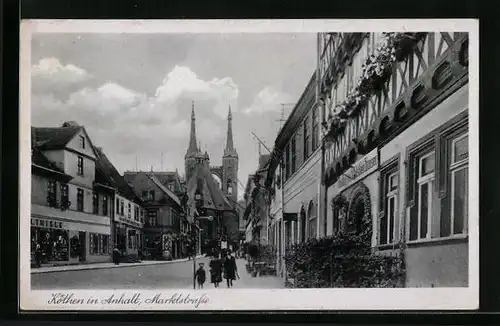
x=122, y=265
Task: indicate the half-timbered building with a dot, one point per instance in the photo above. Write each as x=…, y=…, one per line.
x=394, y=112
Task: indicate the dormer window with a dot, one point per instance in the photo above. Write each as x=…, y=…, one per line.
x=82, y=142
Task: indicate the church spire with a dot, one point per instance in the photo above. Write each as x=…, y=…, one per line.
x=192, y=149
x=229, y=140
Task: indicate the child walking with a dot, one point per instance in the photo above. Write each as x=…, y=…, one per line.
x=200, y=276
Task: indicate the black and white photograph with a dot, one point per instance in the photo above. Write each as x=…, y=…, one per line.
x=249, y=165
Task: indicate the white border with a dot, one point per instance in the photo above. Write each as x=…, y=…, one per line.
x=285, y=299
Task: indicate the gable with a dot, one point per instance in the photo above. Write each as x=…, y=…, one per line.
x=81, y=143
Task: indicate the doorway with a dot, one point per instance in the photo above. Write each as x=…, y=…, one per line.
x=83, y=245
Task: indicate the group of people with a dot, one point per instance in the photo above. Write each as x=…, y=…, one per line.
x=219, y=268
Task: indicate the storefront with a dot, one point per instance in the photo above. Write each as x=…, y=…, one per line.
x=129, y=237
x=63, y=241
x=352, y=201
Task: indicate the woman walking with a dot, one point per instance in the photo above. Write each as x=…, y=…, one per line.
x=230, y=269
x=215, y=270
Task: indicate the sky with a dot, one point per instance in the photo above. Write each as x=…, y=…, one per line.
x=133, y=92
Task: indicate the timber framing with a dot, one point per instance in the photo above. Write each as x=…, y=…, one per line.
x=417, y=84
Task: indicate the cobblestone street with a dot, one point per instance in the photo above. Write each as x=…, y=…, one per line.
x=175, y=275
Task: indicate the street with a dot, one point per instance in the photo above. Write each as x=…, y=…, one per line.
x=177, y=275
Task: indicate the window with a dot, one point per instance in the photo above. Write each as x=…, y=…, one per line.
x=287, y=163
x=129, y=210
x=82, y=142
x=293, y=154
x=306, y=138
x=117, y=206
x=142, y=216
x=79, y=200
x=312, y=222
x=425, y=183
x=122, y=207
x=390, y=207
x=105, y=244
x=151, y=195
x=136, y=213
x=170, y=186
x=52, y=193
x=459, y=178
x=152, y=218
x=94, y=243
x=80, y=166
x=95, y=204
x=105, y=205
x=144, y=195
x=315, y=131
x=65, y=203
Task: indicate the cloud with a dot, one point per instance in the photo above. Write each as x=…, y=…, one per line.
x=127, y=123
x=181, y=82
x=49, y=75
x=267, y=100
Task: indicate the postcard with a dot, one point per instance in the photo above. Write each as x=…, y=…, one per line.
x=249, y=165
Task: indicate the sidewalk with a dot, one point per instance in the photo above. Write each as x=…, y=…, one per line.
x=66, y=268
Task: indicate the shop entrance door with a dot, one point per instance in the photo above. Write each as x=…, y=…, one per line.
x=83, y=243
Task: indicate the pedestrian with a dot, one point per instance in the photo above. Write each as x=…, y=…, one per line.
x=230, y=269
x=200, y=276
x=215, y=270
x=38, y=255
x=116, y=255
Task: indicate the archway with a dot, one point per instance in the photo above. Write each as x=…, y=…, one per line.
x=302, y=224
x=360, y=217
x=311, y=216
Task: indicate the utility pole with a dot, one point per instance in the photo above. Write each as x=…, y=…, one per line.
x=161, y=162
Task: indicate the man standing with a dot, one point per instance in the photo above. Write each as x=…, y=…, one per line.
x=230, y=269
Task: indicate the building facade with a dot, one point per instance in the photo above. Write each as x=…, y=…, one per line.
x=295, y=174
x=395, y=147
x=164, y=236
x=70, y=215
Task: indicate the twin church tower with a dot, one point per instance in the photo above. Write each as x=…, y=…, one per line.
x=228, y=172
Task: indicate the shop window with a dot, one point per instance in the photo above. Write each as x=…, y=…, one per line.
x=122, y=207
x=53, y=243
x=79, y=200
x=105, y=205
x=52, y=193
x=136, y=213
x=65, y=203
x=80, y=166
x=94, y=244
x=105, y=244
x=129, y=210
x=95, y=203
x=389, y=213
x=306, y=138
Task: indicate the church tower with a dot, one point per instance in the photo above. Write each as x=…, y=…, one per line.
x=230, y=163
x=192, y=153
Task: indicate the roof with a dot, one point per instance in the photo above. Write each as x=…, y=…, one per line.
x=37, y=158
x=106, y=172
x=53, y=138
x=152, y=176
x=213, y=197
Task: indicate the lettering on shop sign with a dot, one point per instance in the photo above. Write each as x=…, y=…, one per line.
x=365, y=165
x=37, y=222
